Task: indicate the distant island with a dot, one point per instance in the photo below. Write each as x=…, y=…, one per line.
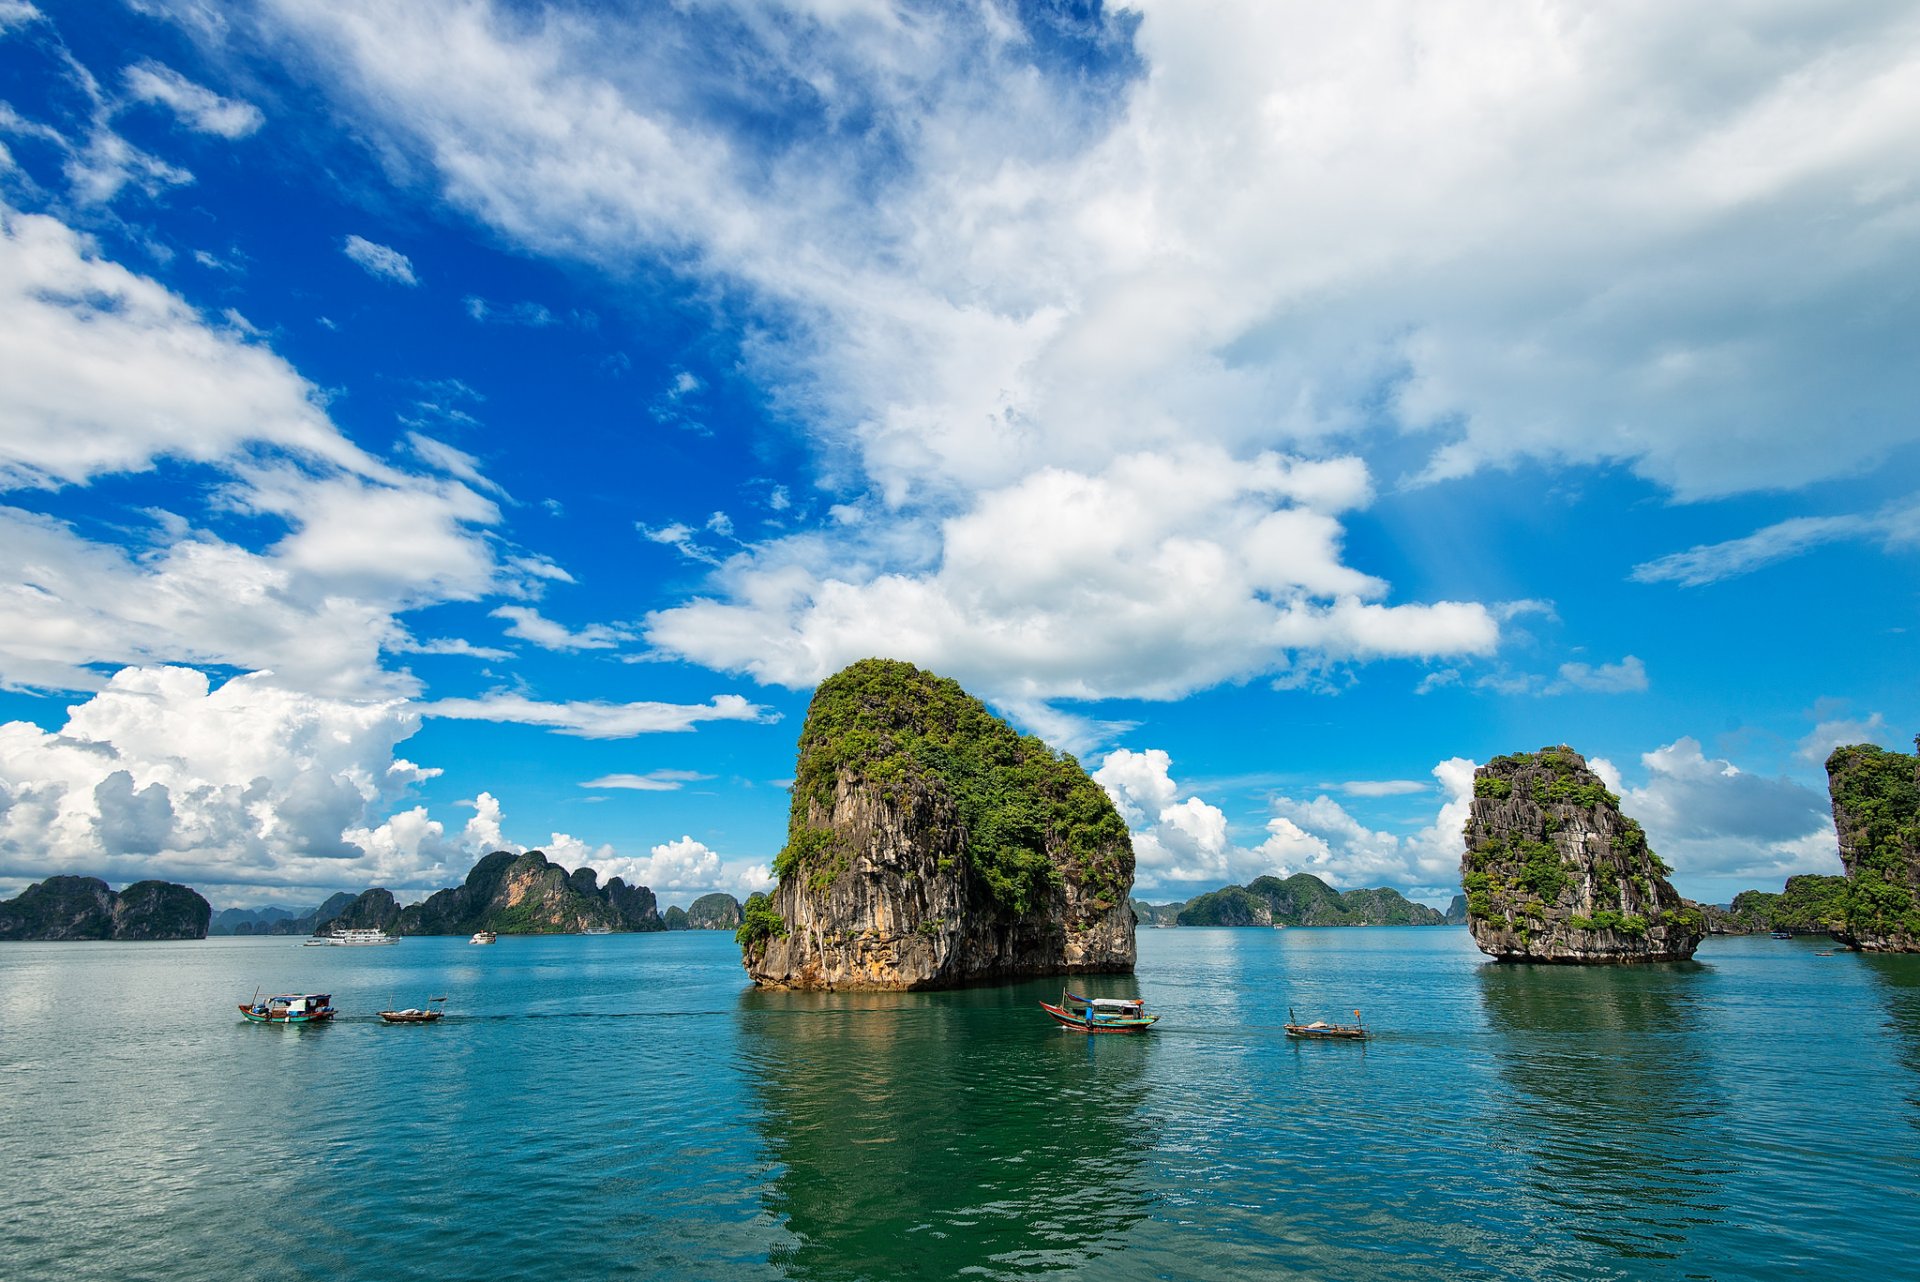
x=508, y=894
x=1299, y=900
x=76, y=908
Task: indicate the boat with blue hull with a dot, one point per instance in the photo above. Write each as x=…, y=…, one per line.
x=1100, y=1014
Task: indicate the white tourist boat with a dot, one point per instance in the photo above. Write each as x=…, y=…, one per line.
x=356, y=938
x=483, y=937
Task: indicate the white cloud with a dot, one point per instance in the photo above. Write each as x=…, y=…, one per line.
x=530, y=314
x=196, y=106
x=1381, y=787
x=1894, y=526
x=1174, y=841
x=161, y=774
x=17, y=13
x=528, y=625
x=1162, y=575
x=1629, y=676
x=652, y=781
x=1708, y=818
x=685, y=868
x=1827, y=735
x=590, y=720
x=380, y=260
x=103, y=370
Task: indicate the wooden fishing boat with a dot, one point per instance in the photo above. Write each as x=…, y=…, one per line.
x=289, y=1008
x=1320, y=1029
x=1100, y=1014
x=413, y=1016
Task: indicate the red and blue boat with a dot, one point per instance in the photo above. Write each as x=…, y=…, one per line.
x=1100, y=1014
x=290, y=1008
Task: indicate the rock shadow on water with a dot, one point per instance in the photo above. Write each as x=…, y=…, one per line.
x=1897, y=979
x=1610, y=1101
x=920, y=1135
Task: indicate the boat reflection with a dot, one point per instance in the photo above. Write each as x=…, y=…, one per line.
x=1612, y=1105
x=930, y=1134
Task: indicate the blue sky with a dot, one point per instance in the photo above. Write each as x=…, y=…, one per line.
x=433, y=428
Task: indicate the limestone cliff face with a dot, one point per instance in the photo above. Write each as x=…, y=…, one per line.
x=512, y=894
x=1876, y=812
x=1555, y=873
x=929, y=846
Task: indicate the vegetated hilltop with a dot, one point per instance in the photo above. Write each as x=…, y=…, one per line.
x=511, y=895
x=1304, y=900
x=1876, y=812
x=61, y=908
x=1555, y=873
x=930, y=845
x=718, y=911
x=1810, y=903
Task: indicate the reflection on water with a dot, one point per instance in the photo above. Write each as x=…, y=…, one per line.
x=1611, y=1098
x=919, y=1135
x=1898, y=981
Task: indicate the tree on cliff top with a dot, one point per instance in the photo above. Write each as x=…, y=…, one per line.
x=902, y=731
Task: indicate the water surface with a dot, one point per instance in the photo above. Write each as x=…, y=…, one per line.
x=626, y=1106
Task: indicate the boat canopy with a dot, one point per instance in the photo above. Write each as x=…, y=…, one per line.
x=1117, y=1003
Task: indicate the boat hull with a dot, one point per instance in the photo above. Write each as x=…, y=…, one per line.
x=254, y=1017
x=1333, y=1033
x=410, y=1016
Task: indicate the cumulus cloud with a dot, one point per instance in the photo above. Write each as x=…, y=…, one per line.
x=595, y=720
x=1836, y=731
x=163, y=774
x=1706, y=817
x=685, y=868
x=1162, y=575
x=380, y=260
x=197, y=107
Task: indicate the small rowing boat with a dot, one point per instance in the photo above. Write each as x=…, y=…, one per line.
x=1320, y=1029
x=412, y=1016
x=1100, y=1014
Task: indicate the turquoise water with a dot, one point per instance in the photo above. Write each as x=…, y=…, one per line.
x=626, y=1107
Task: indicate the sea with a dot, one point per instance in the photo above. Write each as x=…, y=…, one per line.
x=627, y=1106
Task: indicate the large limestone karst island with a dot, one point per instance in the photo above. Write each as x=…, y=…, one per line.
x=1555, y=873
x=929, y=845
x=1876, y=812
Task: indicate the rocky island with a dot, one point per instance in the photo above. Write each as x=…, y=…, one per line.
x=1555, y=873
x=1876, y=812
x=929, y=845
x=1303, y=900
x=511, y=895
x=61, y=908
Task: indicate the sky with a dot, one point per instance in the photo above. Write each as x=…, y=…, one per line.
x=463, y=425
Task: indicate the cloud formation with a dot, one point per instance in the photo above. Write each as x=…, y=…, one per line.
x=197, y=106
x=598, y=720
x=380, y=260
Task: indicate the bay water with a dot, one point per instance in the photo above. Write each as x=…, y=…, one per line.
x=626, y=1106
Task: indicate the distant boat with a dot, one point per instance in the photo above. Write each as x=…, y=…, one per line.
x=358, y=938
x=413, y=1016
x=1783, y=934
x=290, y=1008
x=1100, y=1014
x=1321, y=1029
x=598, y=930
x=483, y=937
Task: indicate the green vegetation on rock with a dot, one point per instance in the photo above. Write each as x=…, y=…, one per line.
x=759, y=921
x=1304, y=900
x=905, y=732
x=1876, y=811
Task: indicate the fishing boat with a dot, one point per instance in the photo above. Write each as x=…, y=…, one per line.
x=598, y=930
x=412, y=1016
x=358, y=938
x=289, y=1008
x=483, y=937
x=1320, y=1029
x=1100, y=1014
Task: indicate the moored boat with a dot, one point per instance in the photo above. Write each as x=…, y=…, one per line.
x=290, y=1008
x=483, y=937
x=1100, y=1014
x=356, y=938
x=1320, y=1029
